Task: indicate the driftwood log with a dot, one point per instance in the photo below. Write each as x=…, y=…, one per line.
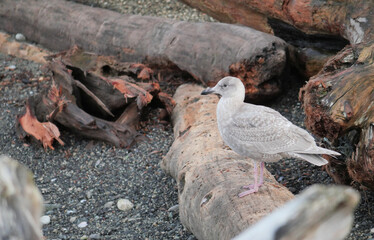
x=210, y=176
x=207, y=51
x=352, y=20
x=20, y=202
x=320, y=212
x=338, y=103
x=93, y=96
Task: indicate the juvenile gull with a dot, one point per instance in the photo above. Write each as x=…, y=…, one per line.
x=259, y=132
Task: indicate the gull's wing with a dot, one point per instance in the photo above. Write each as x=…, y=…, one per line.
x=268, y=131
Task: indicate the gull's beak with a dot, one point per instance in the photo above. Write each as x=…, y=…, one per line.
x=207, y=91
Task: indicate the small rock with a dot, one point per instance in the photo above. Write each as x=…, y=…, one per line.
x=82, y=225
x=372, y=230
x=108, y=204
x=71, y=211
x=72, y=219
x=45, y=219
x=20, y=37
x=51, y=206
x=89, y=194
x=173, y=208
x=95, y=236
x=11, y=67
x=124, y=204
x=84, y=237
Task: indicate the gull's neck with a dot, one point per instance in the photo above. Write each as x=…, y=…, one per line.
x=229, y=103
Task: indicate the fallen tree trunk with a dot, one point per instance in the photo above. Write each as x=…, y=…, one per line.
x=338, y=103
x=348, y=18
x=207, y=51
x=210, y=176
x=20, y=202
x=320, y=212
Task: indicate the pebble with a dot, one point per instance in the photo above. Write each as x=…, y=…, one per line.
x=45, y=219
x=51, y=206
x=124, y=204
x=108, y=204
x=372, y=230
x=95, y=236
x=20, y=37
x=174, y=208
x=72, y=219
x=82, y=225
x=89, y=193
x=11, y=67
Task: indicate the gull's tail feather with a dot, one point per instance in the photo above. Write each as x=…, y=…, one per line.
x=312, y=158
x=319, y=150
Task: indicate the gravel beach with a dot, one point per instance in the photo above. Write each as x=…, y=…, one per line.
x=93, y=190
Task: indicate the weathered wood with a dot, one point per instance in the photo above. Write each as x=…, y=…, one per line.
x=210, y=176
x=348, y=18
x=20, y=202
x=320, y=212
x=88, y=97
x=21, y=49
x=339, y=105
x=207, y=51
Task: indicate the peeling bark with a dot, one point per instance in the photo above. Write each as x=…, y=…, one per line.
x=338, y=103
x=87, y=103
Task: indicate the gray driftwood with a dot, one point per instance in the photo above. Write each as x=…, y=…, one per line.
x=207, y=51
x=20, y=202
x=320, y=212
x=210, y=176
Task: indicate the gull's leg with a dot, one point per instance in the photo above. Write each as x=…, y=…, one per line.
x=250, y=186
x=255, y=186
x=262, y=164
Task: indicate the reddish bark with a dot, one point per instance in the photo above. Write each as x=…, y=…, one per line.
x=85, y=102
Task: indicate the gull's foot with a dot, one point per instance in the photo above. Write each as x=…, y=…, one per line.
x=253, y=190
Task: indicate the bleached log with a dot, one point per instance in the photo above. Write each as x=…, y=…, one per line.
x=20, y=202
x=210, y=176
x=320, y=212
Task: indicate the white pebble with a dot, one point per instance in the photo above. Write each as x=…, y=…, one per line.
x=82, y=225
x=45, y=219
x=372, y=230
x=124, y=204
x=12, y=67
x=20, y=37
x=72, y=219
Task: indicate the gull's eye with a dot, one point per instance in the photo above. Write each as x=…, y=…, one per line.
x=224, y=85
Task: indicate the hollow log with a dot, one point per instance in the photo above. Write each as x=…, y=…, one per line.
x=20, y=202
x=207, y=51
x=210, y=176
x=339, y=105
x=350, y=19
x=319, y=212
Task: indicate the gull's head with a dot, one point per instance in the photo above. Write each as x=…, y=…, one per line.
x=227, y=87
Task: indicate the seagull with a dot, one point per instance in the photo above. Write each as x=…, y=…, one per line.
x=260, y=133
